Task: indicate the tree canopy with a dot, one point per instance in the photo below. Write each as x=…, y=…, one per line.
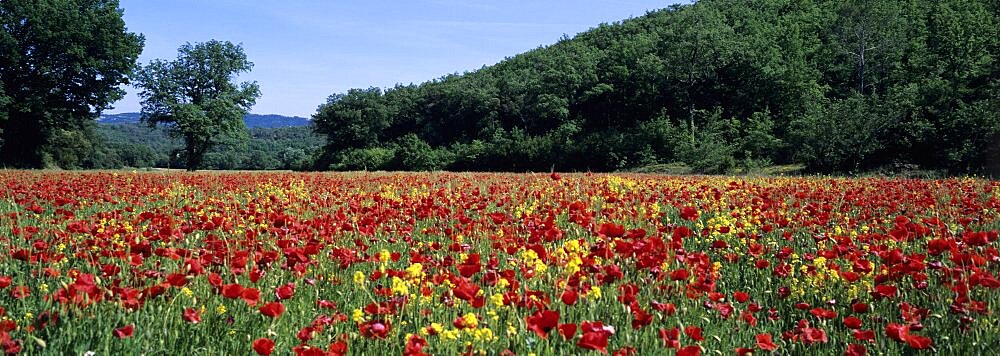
x=61, y=64
x=839, y=86
x=196, y=98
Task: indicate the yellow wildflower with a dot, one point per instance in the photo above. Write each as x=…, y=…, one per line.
x=595, y=292
x=497, y=299
x=359, y=278
x=399, y=286
x=470, y=320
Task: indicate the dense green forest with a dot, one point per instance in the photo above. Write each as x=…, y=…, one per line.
x=838, y=86
x=136, y=145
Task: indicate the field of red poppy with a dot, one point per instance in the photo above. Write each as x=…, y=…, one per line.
x=237, y=263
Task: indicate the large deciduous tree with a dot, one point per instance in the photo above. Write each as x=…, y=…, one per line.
x=61, y=64
x=195, y=96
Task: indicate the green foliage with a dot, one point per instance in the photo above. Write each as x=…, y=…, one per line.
x=415, y=154
x=67, y=149
x=361, y=115
x=708, y=149
x=61, y=64
x=842, y=135
x=195, y=96
x=375, y=158
x=138, y=146
x=840, y=86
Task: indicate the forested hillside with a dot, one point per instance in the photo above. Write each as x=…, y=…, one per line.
x=840, y=86
x=136, y=145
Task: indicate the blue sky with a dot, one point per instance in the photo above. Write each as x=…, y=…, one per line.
x=305, y=50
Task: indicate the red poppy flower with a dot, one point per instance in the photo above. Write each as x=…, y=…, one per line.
x=10, y=346
x=569, y=297
x=256, y=274
x=232, y=291
x=337, y=348
x=465, y=290
x=125, y=331
x=594, y=341
x=568, y=331
x=375, y=329
x=681, y=232
x=595, y=336
x=898, y=332
x=679, y=275
x=667, y=308
x=725, y=310
x=306, y=350
x=626, y=351
x=251, y=296
x=671, y=337
x=191, y=315
x=741, y=297
x=884, y=291
x=415, y=346
x=823, y=313
x=689, y=213
x=852, y=322
x=272, y=309
x=864, y=335
x=263, y=346
x=748, y=317
x=285, y=292
x=7, y=325
x=765, y=342
x=919, y=342
x=215, y=280
x=784, y=292
x=640, y=318
x=693, y=332
x=716, y=296
x=305, y=334
x=814, y=335
x=611, y=230
x=177, y=279
x=693, y=350
x=543, y=321
x=20, y=292
x=856, y=350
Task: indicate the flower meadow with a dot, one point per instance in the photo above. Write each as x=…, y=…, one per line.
x=469, y=263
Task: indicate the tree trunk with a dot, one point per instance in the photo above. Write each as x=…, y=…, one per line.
x=192, y=160
x=194, y=151
x=22, y=140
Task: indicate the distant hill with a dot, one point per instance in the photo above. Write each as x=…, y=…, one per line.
x=123, y=144
x=251, y=120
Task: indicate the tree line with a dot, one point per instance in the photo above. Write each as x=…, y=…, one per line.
x=719, y=85
x=138, y=146
x=838, y=86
